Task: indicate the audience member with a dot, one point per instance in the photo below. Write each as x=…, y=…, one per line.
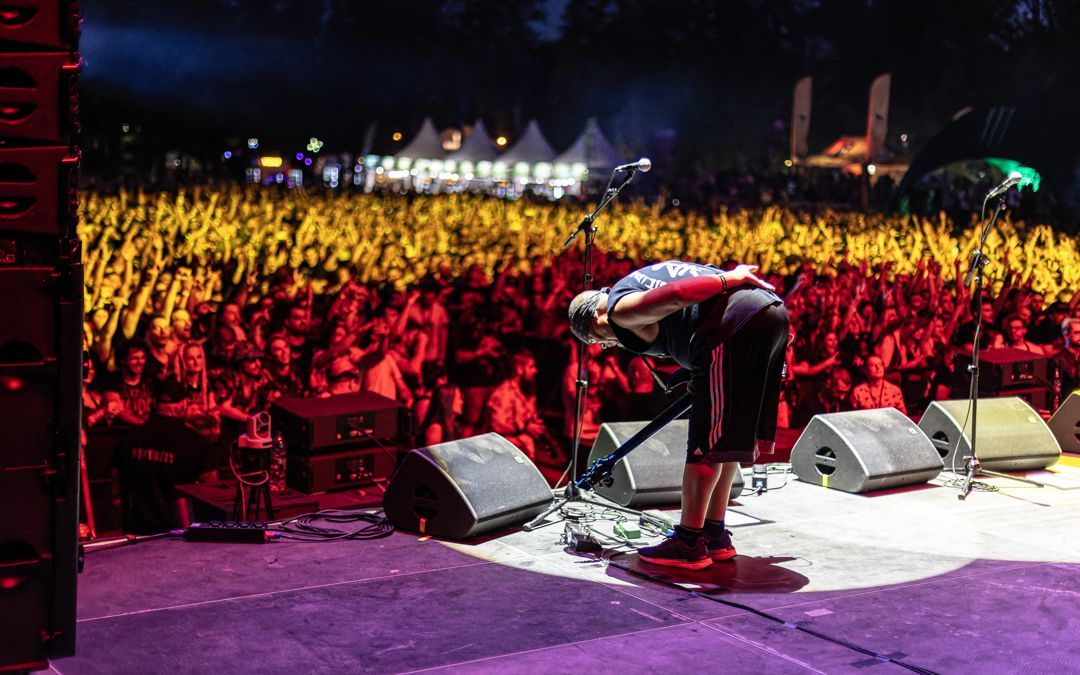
x=152, y=459
x=511, y=409
x=876, y=391
x=833, y=397
x=131, y=384
x=1067, y=361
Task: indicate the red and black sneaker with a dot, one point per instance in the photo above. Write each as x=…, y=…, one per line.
x=676, y=552
x=720, y=548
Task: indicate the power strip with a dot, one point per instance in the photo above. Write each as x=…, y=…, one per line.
x=228, y=531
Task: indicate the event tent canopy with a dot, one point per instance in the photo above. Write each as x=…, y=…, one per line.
x=477, y=146
x=425, y=145
x=532, y=147
x=591, y=149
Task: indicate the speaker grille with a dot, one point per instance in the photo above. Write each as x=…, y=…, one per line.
x=1010, y=436
x=864, y=450
x=464, y=488
x=651, y=475
x=1065, y=424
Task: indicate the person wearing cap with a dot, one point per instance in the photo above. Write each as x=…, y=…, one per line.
x=342, y=377
x=730, y=330
x=240, y=387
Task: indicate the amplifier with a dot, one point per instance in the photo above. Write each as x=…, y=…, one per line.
x=314, y=424
x=340, y=470
x=1001, y=369
x=1039, y=398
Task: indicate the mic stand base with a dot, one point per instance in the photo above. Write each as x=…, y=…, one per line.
x=969, y=481
x=573, y=495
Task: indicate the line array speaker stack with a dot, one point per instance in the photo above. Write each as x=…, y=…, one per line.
x=1011, y=436
x=41, y=302
x=864, y=450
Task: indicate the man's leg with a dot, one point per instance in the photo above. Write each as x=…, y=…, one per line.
x=700, y=480
x=688, y=548
x=722, y=492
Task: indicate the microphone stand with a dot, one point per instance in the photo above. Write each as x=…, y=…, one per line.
x=572, y=492
x=978, y=262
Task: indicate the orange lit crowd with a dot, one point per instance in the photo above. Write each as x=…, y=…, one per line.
x=210, y=304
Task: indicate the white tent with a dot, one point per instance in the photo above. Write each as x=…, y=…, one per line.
x=477, y=146
x=532, y=147
x=591, y=149
x=425, y=145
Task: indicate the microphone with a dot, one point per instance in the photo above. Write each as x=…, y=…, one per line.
x=642, y=165
x=1014, y=179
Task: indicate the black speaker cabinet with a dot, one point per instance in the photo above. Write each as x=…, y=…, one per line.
x=1010, y=435
x=465, y=488
x=864, y=450
x=1065, y=424
x=41, y=302
x=651, y=475
x=314, y=425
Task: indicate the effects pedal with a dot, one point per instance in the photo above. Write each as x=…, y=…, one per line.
x=580, y=539
x=229, y=531
x=628, y=530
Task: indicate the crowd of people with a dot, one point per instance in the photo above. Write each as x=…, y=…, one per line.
x=208, y=304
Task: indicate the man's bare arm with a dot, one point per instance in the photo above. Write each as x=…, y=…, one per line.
x=643, y=308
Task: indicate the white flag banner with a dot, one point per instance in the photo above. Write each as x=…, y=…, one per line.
x=800, y=118
x=877, y=117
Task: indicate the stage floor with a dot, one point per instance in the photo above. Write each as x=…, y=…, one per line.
x=987, y=585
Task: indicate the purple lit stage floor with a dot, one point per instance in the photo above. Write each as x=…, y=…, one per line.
x=987, y=585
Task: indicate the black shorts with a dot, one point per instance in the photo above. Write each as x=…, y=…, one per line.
x=736, y=389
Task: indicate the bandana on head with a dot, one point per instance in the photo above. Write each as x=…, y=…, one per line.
x=582, y=312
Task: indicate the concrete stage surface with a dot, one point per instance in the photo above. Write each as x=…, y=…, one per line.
x=825, y=581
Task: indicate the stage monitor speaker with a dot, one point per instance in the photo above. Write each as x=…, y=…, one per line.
x=864, y=450
x=465, y=488
x=651, y=475
x=1065, y=424
x=1011, y=436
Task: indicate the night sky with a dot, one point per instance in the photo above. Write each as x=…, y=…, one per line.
x=717, y=76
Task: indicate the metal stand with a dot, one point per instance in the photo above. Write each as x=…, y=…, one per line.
x=252, y=483
x=88, y=502
x=248, y=506
x=572, y=492
x=978, y=261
